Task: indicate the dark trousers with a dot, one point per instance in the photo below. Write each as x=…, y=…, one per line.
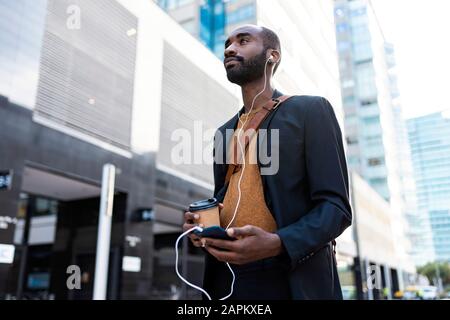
x=261, y=280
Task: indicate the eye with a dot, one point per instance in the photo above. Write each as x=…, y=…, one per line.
x=244, y=41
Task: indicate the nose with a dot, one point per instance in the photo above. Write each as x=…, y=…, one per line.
x=230, y=51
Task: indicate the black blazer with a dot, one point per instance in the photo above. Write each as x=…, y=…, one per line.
x=308, y=196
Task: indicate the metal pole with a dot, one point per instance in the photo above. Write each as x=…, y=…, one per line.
x=366, y=268
x=387, y=276
x=104, y=232
x=24, y=247
x=438, y=275
x=360, y=266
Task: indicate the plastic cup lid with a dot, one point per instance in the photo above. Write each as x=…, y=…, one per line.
x=203, y=204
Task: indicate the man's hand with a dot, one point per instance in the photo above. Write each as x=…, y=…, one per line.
x=253, y=244
x=190, y=221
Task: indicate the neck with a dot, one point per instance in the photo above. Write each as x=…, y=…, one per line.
x=251, y=89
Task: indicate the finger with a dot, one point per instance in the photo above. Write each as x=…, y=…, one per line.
x=190, y=216
x=220, y=205
x=188, y=226
x=197, y=242
x=192, y=234
x=220, y=255
x=222, y=244
x=194, y=237
x=242, y=232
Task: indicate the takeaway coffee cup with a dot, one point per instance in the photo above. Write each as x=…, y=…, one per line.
x=208, y=210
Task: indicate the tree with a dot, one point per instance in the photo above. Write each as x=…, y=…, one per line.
x=430, y=270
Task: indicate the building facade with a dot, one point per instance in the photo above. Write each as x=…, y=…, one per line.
x=78, y=92
x=210, y=20
x=430, y=144
x=305, y=28
x=374, y=232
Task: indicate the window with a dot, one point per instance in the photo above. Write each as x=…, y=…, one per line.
x=361, y=34
x=241, y=14
x=378, y=181
x=21, y=30
x=344, y=46
x=339, y=12
x=44, y=207
x=371, y=120
x=173, y=4
x=348, y=84
x=366, y=81
x=370, y=130
x=349, y=100
x=352, y=140
x=372, y=141
x=368, y=102
x=353, y=161
x=351, y=119
x=342, y=27
x=358, y=12
x=374, y=162
x=362, y=52
x=218, y=9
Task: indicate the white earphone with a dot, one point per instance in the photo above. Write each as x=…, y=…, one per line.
x=272, y=59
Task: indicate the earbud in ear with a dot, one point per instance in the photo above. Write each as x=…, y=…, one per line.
x=271, y=59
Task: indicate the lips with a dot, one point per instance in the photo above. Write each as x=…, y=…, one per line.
x=230, y=62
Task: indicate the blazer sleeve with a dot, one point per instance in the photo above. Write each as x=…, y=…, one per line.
x=328, y=184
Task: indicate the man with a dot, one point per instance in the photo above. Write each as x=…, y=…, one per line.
x=286, y=221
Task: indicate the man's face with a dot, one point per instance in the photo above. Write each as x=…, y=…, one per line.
x=245, y=55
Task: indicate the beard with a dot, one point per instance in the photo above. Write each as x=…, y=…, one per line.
x=247, y=70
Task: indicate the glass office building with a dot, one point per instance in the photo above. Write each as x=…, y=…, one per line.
x=366, y=94
x=430, y=144
x=210, y=20
x=19, y=60
x=374, y=128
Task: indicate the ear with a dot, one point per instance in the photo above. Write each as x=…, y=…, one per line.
x=275, y=56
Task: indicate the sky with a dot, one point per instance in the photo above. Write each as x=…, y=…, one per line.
x=420, y=32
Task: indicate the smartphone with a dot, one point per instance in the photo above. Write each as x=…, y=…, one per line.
x=215, y=232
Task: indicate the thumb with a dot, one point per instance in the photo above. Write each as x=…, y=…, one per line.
x=242, y=232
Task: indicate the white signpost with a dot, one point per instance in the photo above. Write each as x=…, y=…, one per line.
x=104, y=232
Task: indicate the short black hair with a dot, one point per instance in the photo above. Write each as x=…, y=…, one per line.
x=271, y=41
